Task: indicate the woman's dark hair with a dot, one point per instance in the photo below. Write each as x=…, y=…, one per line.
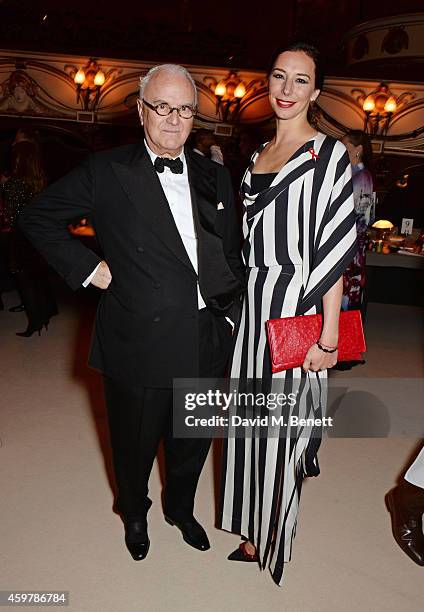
x=27, y=166
x=358, y=137
x=311, y=51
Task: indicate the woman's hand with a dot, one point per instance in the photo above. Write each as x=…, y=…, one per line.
x=317, y=360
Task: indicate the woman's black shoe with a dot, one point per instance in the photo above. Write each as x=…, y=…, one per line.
x=240, y=554
x=18, y=308
x=31, y=330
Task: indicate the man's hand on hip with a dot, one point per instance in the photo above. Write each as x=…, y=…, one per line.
x=102, y=277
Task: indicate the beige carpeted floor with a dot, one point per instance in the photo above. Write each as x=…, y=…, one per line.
x=58, y=531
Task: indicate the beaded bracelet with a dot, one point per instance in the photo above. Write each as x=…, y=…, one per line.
x=325, y=350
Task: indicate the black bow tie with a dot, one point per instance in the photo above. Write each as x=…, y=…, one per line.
x=175, y=165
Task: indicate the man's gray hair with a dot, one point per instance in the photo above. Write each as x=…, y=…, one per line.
x=172, y=69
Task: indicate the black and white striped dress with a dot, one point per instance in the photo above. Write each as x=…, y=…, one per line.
x=299, y=238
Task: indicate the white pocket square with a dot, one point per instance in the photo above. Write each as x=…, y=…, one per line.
x=220, y=206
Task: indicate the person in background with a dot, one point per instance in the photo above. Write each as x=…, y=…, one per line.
x=26, y=180
x=238, y=152
x=359, y=148
x=22, y=135
x=4, y=272
x=205, y=144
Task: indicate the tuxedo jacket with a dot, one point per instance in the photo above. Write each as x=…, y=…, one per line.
x=146, y=330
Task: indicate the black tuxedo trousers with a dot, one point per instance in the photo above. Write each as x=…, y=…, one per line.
x=139, y=418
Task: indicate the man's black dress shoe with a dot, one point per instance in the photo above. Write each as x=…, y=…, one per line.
x=407, y=527
x=136, y=539
x=193, y=532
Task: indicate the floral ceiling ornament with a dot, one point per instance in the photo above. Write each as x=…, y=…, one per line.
x=395, y=40
x=361, y=47
x=19, y=95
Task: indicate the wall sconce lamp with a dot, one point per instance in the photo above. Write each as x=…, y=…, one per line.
x=229, y=93
x=379, y=107
x=402, y=182
x=89, y=82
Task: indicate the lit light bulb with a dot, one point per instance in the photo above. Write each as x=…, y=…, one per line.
x=99, y=79
x=79, y=78
x=240, y=90
x=220, y=89
x=390, y=105
x=369, y=104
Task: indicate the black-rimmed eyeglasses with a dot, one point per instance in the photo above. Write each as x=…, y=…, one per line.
x=163, y=108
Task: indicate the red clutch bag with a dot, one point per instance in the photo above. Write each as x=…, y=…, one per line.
x=290, y=338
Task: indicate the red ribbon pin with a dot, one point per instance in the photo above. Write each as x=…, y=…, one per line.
x=315, y=156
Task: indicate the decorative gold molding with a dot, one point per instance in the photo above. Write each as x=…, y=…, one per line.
x=51, y=91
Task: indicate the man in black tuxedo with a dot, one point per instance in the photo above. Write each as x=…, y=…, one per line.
x=164, y=218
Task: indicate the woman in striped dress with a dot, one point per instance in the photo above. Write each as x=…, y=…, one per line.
x=299, y=231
